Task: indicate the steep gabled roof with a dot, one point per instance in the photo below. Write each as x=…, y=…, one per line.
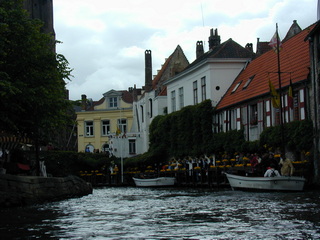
x=174, y=64
x=293, y=30
x=227, y=49
x=157, y=78
x=294, y=62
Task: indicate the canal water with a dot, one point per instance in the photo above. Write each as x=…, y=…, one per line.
x=136, y=213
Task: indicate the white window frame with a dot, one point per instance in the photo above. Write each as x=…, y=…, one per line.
x=113, y=102
x=181, y=98
x=173, y=101
x=195, y=92
x=302, y=107
x=122, y=125
x=203, y=89
x=238, y=118
x=89, y=128
x=254, y=114
x=268, y=113
x=132, y=146
x=105, y=127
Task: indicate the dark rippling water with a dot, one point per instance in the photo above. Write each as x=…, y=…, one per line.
x=135, y=213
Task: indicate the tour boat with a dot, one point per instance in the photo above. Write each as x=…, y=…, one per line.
x=154, y=182
x=281, y=183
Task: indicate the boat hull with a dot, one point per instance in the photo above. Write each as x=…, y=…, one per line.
x=154, y=182
x=266, y=183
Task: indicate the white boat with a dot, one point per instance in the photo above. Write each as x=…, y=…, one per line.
x=281, y=183
x=154, y=182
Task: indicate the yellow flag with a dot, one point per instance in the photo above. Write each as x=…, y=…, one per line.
x=275, y=98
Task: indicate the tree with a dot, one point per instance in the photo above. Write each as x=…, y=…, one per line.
x=32, y=87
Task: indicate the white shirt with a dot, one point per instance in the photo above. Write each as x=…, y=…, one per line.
x=272, y=173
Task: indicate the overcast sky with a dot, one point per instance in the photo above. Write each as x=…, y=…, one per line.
x=104, y=40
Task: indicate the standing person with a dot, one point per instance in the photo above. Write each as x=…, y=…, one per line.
x=254, y=162
x=287, y=168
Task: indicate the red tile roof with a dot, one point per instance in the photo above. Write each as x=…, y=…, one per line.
x=157, y=79
x=127, y=96
x=294, y=59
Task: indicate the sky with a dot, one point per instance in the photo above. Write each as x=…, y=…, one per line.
x=104, y=41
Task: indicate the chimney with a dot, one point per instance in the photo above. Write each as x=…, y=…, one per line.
x=249, y=46
x=199, y=51
x=214, y=39
x=83, y=102
x=258, y=50
x=148, y=71
x=135, y=93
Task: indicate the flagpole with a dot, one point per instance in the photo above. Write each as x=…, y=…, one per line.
x=280, y=92
x=121, y=146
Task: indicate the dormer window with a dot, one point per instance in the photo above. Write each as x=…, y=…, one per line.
x=113, y=102
x=236, y=87
x=248, y=82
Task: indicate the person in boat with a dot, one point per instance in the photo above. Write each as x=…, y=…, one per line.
x=141, y=175
x=287, y=168
x=272, y=172
x=254, y=162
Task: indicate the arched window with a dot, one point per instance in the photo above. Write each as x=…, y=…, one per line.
x=105, y=147
x=89, y=148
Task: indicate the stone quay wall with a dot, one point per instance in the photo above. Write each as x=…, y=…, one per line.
x=26, y=190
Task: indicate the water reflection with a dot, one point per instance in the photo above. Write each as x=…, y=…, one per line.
x=134, y=213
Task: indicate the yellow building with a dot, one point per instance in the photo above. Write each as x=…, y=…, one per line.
x=101, y=122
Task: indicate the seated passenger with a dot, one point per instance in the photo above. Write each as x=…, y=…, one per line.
x=271, y=172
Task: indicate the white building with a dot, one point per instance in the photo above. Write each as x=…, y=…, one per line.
x=210, y=75
x=153, y=101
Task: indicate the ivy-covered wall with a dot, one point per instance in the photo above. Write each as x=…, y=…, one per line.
x=182, y=133
x=189, y=133
x=297, y=136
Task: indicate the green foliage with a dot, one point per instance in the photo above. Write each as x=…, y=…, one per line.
x=62, y=163
x=186, y=132
x=159, y=147
x=271, y=137
x=231, y=141
x=300, y=135
x=137, y=161
x=297, y=136
x=32, y=86
x=185, y=139
x=250, y=147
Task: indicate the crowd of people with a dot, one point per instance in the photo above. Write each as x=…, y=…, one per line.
x=267, y=164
